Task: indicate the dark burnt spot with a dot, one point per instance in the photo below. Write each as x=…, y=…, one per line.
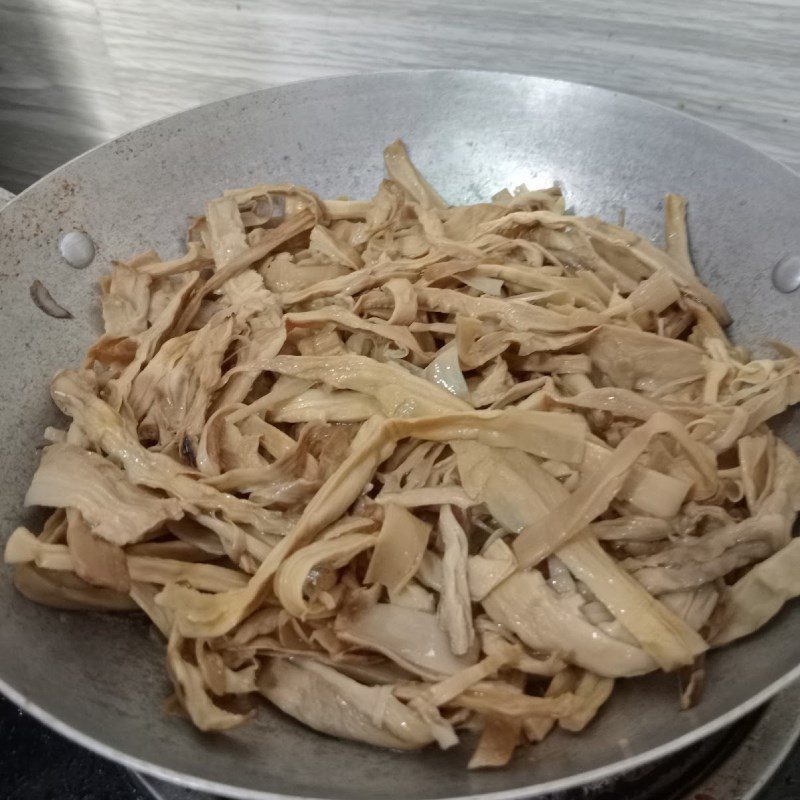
x=188, y=453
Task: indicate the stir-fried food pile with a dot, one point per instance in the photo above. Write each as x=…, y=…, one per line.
x=407, y=469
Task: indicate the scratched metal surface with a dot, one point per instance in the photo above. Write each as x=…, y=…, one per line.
x=471, y=133
x=73, y=773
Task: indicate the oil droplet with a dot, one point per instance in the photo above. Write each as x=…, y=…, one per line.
x=786, y=274
x=77, y=249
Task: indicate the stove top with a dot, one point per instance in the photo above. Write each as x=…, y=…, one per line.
x=758, y=758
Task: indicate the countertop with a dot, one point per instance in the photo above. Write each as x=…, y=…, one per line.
x=74, y=73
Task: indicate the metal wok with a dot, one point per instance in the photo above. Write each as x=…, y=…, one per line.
x=99, y=679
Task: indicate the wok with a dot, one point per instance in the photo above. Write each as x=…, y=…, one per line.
x=99, y=679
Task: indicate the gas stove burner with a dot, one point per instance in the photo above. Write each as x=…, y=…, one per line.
x=733, y=764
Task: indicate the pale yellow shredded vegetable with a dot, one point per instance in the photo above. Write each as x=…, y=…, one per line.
x=407, y=469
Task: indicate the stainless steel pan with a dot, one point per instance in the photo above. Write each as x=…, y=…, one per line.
x=100, y=679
